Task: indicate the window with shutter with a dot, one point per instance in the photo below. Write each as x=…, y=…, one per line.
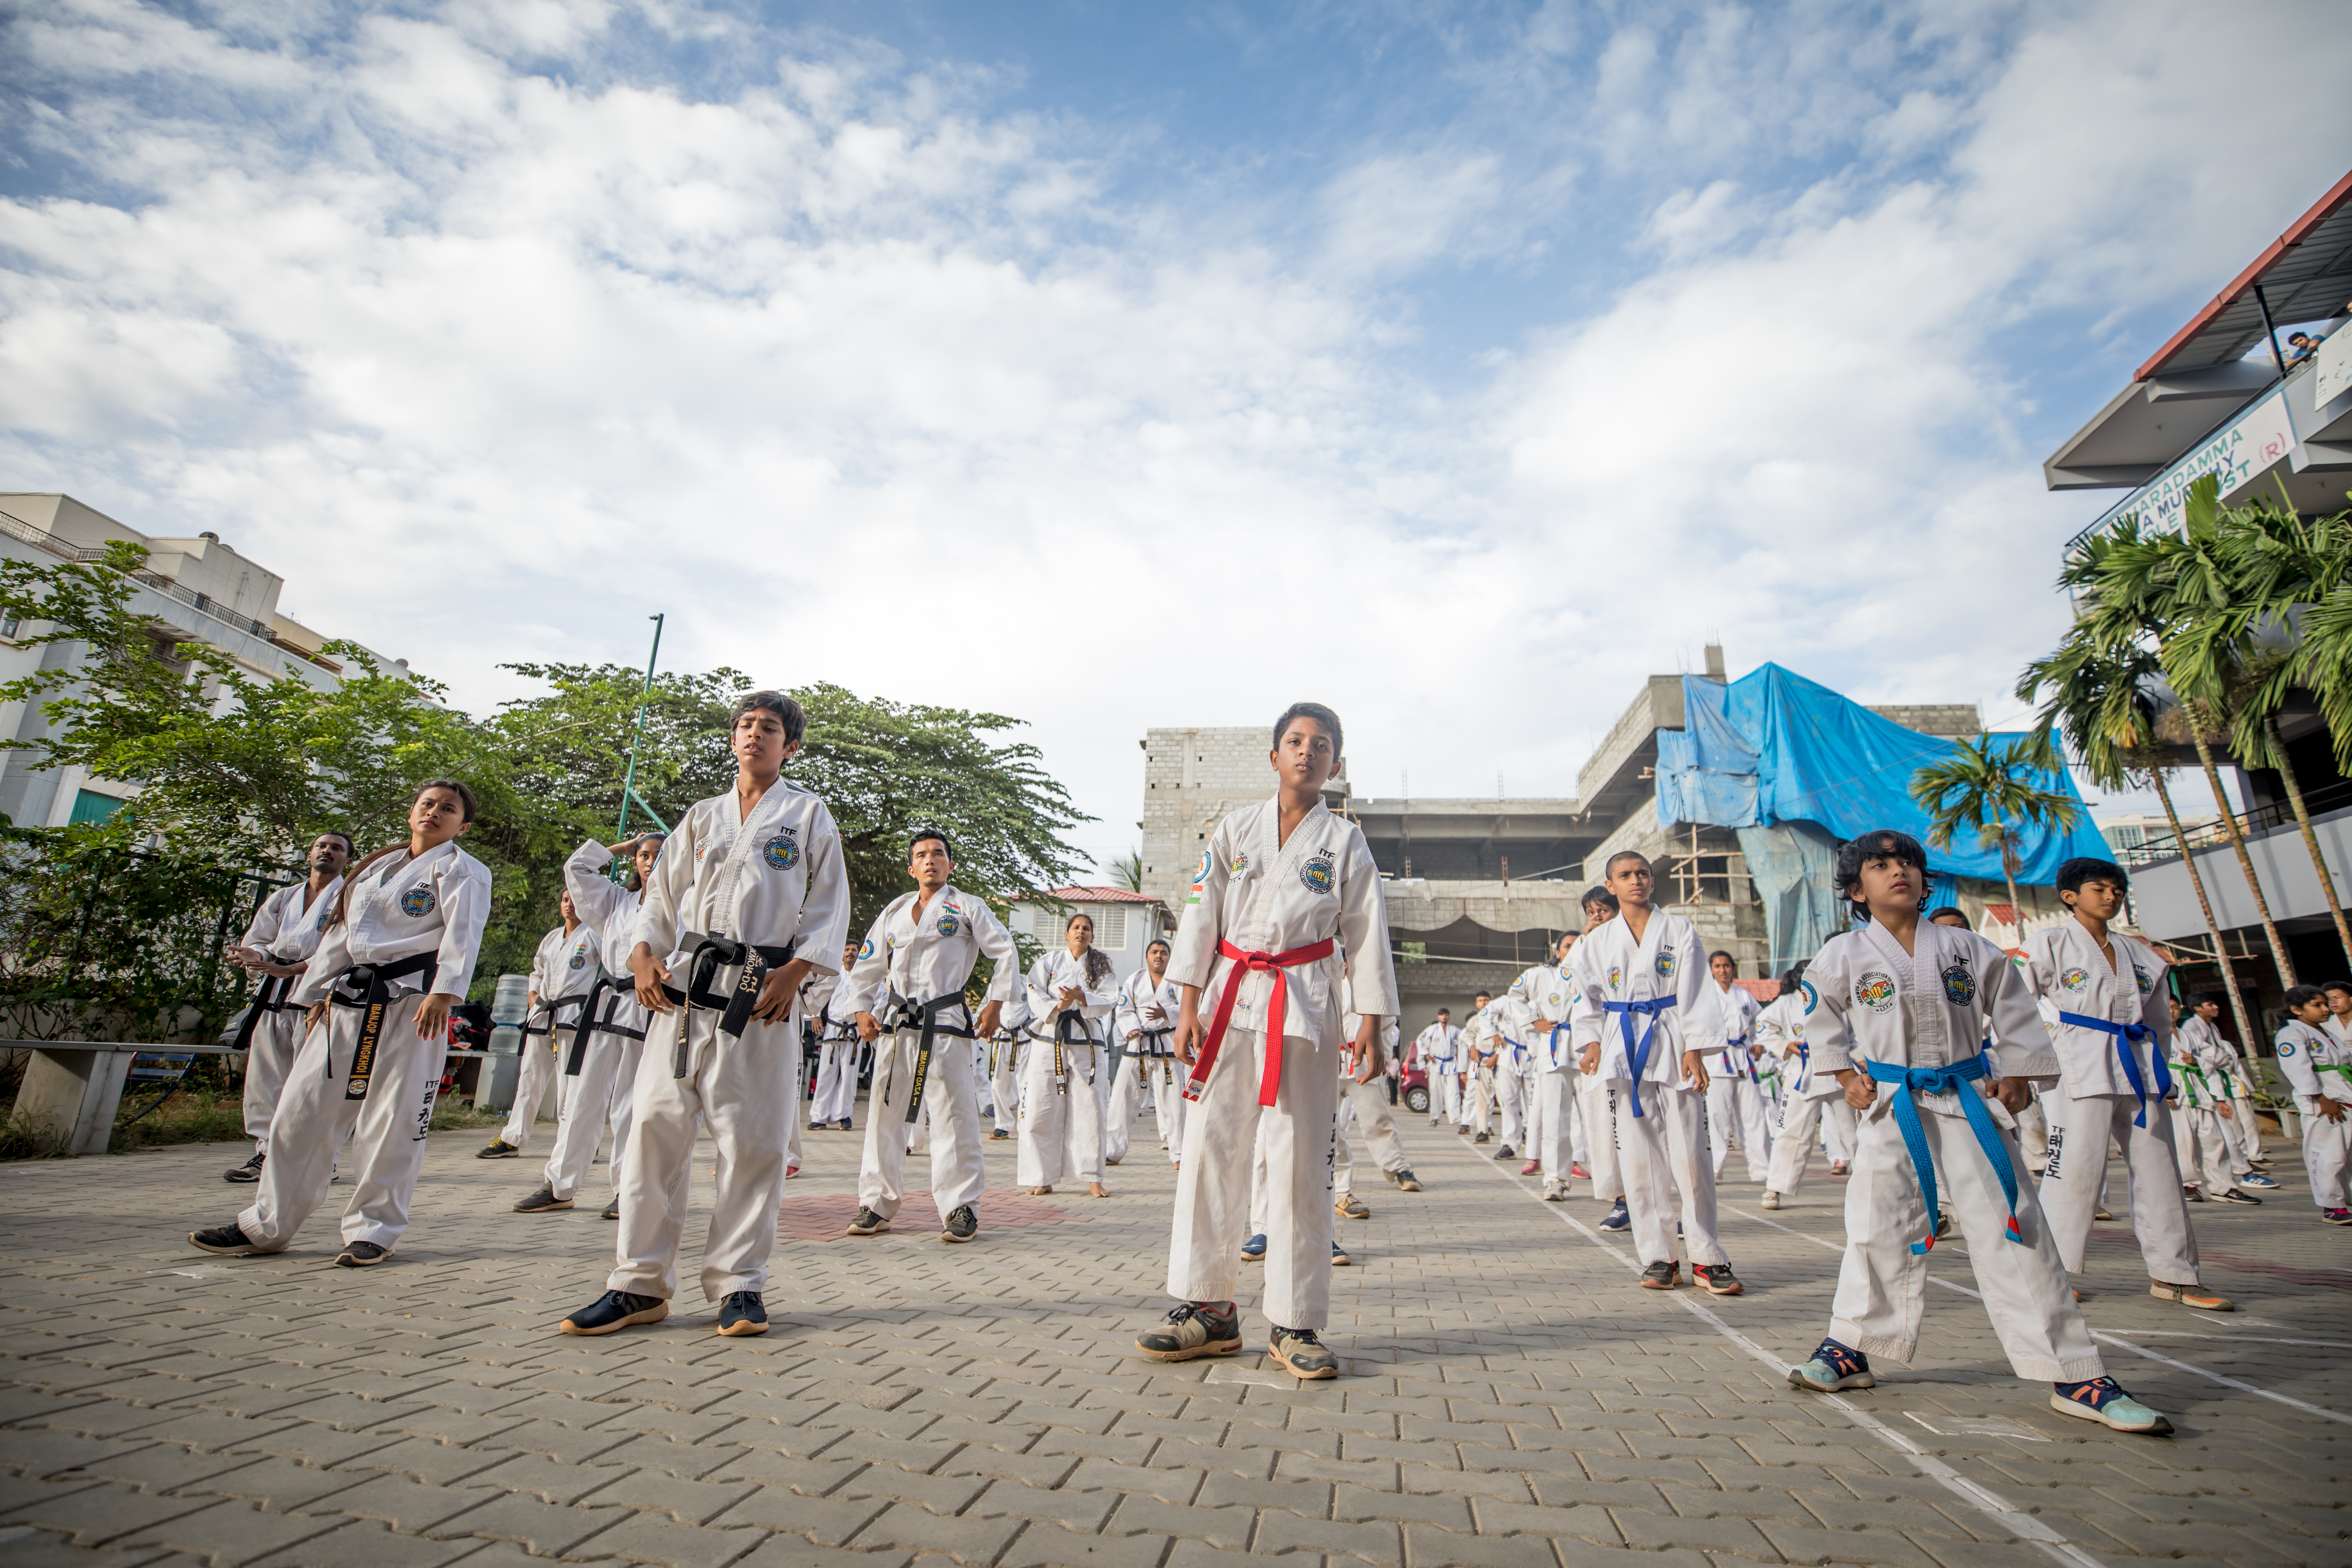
x=1110, y=929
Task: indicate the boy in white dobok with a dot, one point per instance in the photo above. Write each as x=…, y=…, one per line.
x=835, y=1090
x=397, y=953
x=2318, y=1067
x=1780, y=1031
x=1735, y=1099
x=1556, y=1139
x=908, y=985
x=1646, y=1016
x=1904, y=1006
x=1434, y=1050
x=1282, y=888
x=1363, y=1103
x=2112, y=1035
x=751, y=894
x=1146, y=1019
x=562, y=973
x=1596, y=1101
x=2204, y=1122
x=598, y=1055
x=277, y=946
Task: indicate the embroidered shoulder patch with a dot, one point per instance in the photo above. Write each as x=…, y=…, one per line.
x=1317, y=876
x=782, y=852
x=1813, y=998
x=417, y=902
x=2286, y=1047
x=865, y=949
x=1875, y=990
x=1959, y=984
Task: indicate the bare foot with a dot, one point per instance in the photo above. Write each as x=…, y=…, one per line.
x=1097, y=1190
x=1039, y=1192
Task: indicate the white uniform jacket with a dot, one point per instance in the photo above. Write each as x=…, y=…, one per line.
x=1549, y=991
x=1781, y=1030
x=2210, y=1045
x=935, y=957
x=402, y=907
x=1147, y=1008
x=2214, y=1063
x=1262, y=897
x=566, y=964
x=2069, y=970
x=1350, y=1021
x=1737, y=1005
x=604, y=904
x=1611, y=967
x=771, y=879
x=1055, y=973
x=1437, y=1044
x=285, y=929
x=2317, y=1066
x=1867, y=999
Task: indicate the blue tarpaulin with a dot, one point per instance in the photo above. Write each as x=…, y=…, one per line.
x=1773, y=750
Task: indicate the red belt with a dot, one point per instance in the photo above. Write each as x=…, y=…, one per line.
x=1272, y=964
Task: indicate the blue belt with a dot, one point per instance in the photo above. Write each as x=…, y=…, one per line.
x=1730, y=1047
x=2127, y=1036
x=1551, y=1044
x=1952, y=1079
x=1637, y=1055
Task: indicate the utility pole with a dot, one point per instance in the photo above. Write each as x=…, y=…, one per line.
x=629, y=779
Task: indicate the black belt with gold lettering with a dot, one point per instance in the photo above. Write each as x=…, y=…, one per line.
x=609, y=991
x=369, y=986
x=1069, y=1029
x=1156, y=1043
x=905, y=1014
x=706, y=956
x=270, y=998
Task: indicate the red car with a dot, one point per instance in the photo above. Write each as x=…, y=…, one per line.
x=1413, y=1086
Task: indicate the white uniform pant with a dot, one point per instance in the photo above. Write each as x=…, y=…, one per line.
x=2250, y=1131
x=1735, y=1103
x=2326, y=1155
x=1883, y=1284
x=1792, y=1150
x=835, y=1091
x=2079, y=1130
x=1482, y=1101
x=1166, y=1077
x=982, y=1092
x=1061, y=1120
x=746, y=1091
x=1213, y=1187
x=951, y=1112
x=1558, y=1137
x=2208, y=1146
x=1364, y=1105
x=1663, y=1149
x=1004, y=1084
x=386, y=1130
x=1121, y=1107
x=1596, y=1103
x=1443, y=1105
x=2033, y=1133
x=530, y=1089
x=602, y=1094
x=1511, y=1094
x=269, y=1057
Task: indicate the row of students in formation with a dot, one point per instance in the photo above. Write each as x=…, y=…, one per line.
x=1928, y=1034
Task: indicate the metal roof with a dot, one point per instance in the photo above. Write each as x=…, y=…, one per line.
x=2305, y=274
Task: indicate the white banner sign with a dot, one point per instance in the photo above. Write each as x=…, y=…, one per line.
x=2332, y=369
x=2255, y=442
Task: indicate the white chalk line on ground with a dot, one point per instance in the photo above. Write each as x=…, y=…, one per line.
x=2206, y=1373
x=1982, y=1498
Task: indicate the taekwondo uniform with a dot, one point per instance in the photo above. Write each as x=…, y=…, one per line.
x=1472, y=1097
x=2318, y=1067
x=286, y=930
x=1063, y=1092
x=1004, y=1064
x=1781, y=1028
x=733, y=891
x=601, y=1051
x=2207, y=1140
x=1734, y=1095
x=1557, y=1136
x=1123, y=1102
x=1644, y=1002
x=2212, y=1046
x=834, y=1094
x=414, y=927
x=1435, y=1048
x=910, y=976
x=1361, y=1104
x=2113, y=1033
x=1879, y=1010
x=562, y=973
x=1146, y=1020
x=1262, y=932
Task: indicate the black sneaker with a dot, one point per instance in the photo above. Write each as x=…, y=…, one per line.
x=1406, y=1182
x=1298, y=1353
x=502, y=1149
x=843, y=1124
x=543, y=1200
x=227, y=1240
x=742, y=1313
x=1718, y=1278
x=615, y=1310
x=613, y=1209
x=999, y=1133
x=248, y=1172
x=1663, y=1275
x=867, y=1223
x=1507, y=1152
x=962, y=1224
x=819, y=1126
x=2233, y=1195
x=1481, y=1138
x=361, y=1255
x=1192, y=1332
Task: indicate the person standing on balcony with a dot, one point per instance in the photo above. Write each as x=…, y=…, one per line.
x=277, y=946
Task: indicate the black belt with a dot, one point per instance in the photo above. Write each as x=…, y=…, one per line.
x=270, y=998
x=904, y=1013
x=1156, y=1041
x=591, y=1023
x=369, y=986
x=549, y=1018
x=1065, y=1026
x=705, y=959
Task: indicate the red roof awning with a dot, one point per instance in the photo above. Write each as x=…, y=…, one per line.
x=2305, y=274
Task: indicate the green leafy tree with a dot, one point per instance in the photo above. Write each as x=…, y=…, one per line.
x=1990, y=785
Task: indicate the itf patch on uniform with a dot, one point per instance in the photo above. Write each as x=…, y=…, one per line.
x=1959, y=985
x=1615, y=974
x=1875, y=990
x=2074, y=978
x=1316, y=874
x=1665, y=964
x=781, y=852
x=2147, y=981
x=948, y=925
x=579, y=958
x=416, y=902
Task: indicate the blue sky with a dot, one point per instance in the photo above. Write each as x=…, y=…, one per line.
x=1118, y=365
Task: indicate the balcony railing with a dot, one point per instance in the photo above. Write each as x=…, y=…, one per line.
x=2250, y=824
x=203, y=605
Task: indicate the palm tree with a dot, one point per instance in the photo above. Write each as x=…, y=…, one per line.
x=1988, y=784
x=2132, y=586
x=1128, y=869
x=2105, y=705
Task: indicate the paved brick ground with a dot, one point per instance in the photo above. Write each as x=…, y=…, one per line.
x=1512, y=1399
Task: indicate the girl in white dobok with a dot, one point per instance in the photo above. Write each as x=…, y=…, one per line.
x=1064, y=1089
